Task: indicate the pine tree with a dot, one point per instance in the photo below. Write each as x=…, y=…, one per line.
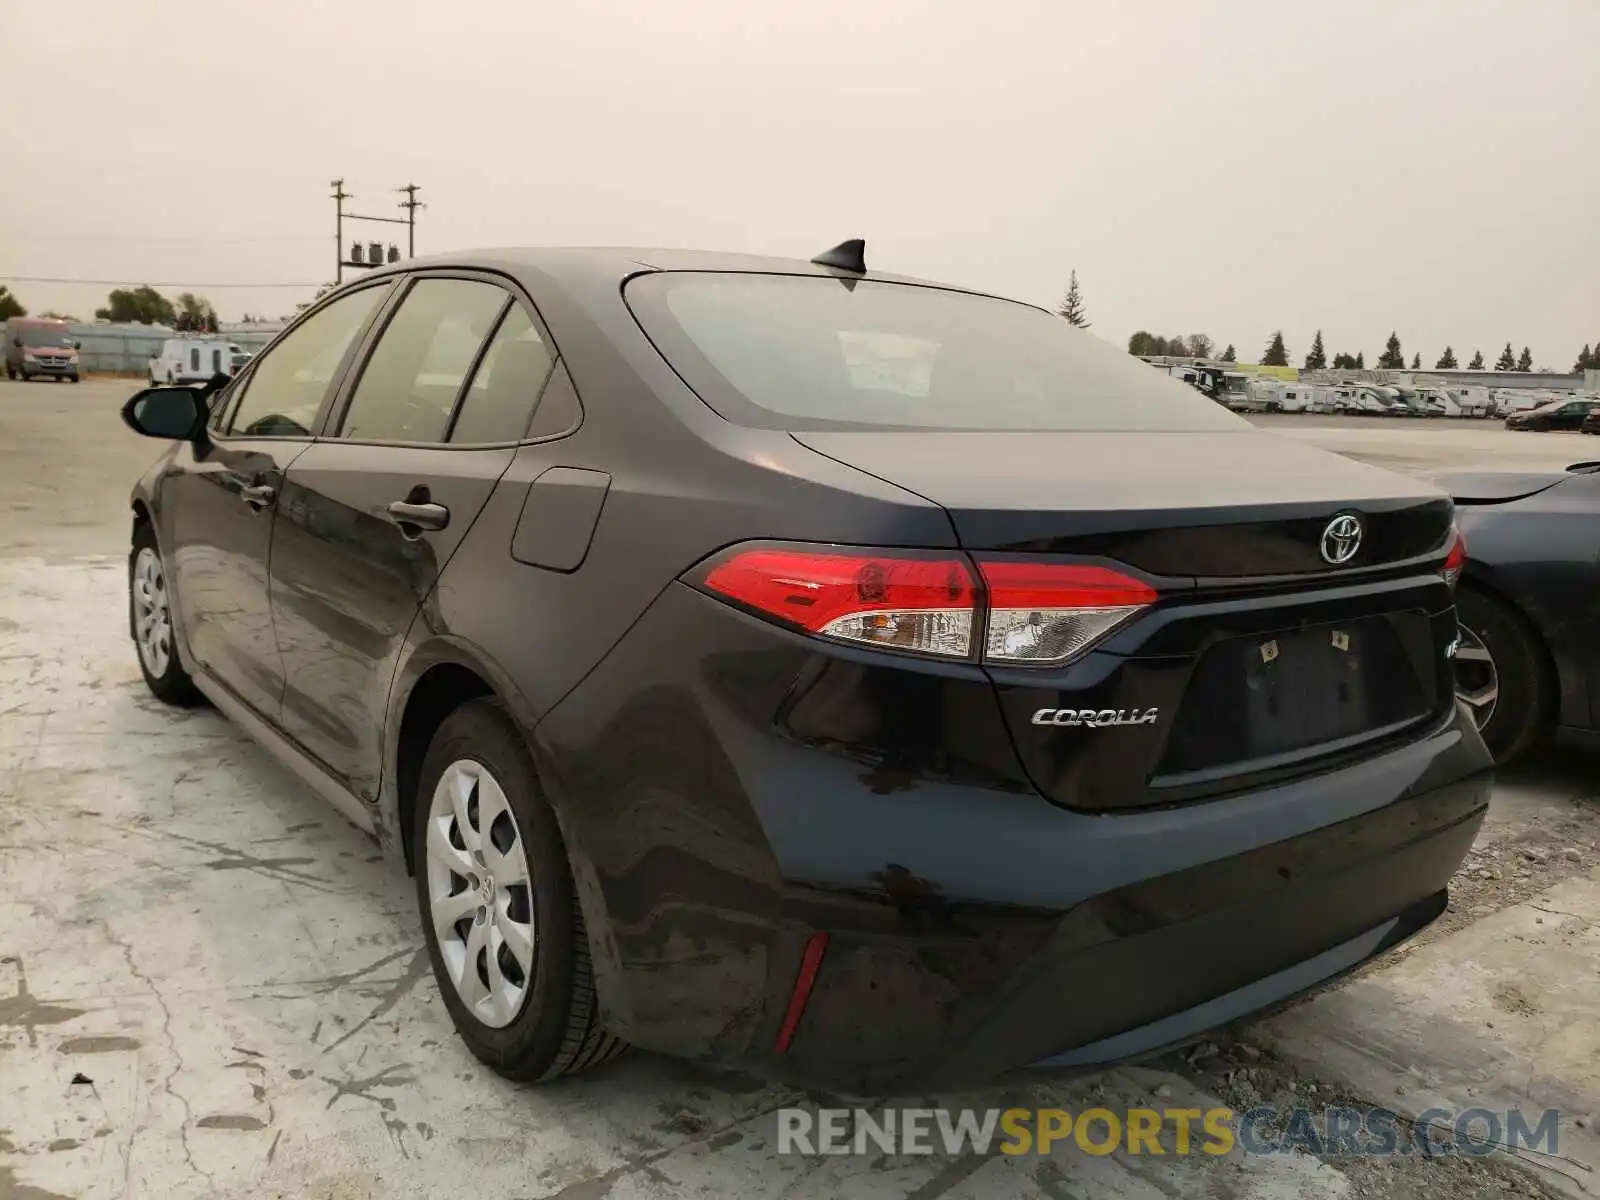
x=1507, y=360
x=1361, y=361
x=1230, y=354
x=1477, y=361
x=1318, y=358
x=1392, y=359
x=1585, y=361
x=1525, y=360
x=1447, y=360
x=1416, y=362
x=1277, y=354
x=1071, y=310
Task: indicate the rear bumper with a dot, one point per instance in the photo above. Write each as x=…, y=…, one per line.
x=973, y=927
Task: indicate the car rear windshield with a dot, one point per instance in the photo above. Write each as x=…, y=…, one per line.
x=815, y=352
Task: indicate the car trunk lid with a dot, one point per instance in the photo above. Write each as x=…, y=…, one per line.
x=1260, y=659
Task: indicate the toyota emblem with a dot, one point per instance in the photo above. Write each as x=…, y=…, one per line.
x=1341, y=539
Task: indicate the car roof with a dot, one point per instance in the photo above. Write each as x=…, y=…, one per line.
x=581, y=265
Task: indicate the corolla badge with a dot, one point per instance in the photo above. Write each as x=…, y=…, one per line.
x=1341, y=538
x=1090, y=718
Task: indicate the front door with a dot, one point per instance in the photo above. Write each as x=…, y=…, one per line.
x=372, y=512
x=219, y=506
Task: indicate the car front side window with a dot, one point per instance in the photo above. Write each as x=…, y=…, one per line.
x=287, y=385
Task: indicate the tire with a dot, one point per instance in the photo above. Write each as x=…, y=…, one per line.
x=162, y=670
x=1519, y=714
x=551, y=1025
x=72, y=379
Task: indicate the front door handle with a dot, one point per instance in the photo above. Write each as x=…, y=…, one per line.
x=258, y=495
x=418, y=516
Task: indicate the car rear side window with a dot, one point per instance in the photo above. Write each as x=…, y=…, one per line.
x=506, y=384
x=287, y=385
x=816, y=352
x=411, y=381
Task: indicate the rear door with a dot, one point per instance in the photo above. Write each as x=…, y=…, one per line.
x=376, y=507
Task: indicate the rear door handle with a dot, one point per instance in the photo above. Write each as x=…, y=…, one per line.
x=420, y=516
x=258, y=495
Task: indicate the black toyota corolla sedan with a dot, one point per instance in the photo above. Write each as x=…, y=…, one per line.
x=798, y=667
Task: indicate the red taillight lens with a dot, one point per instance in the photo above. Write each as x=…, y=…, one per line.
x=1455, y=559
x=1048, y=612
x=922, y=604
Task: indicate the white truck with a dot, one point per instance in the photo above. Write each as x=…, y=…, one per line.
x=194, y=359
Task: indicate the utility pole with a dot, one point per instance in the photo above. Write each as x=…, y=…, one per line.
x=339, y=197
x=411, y=204
x=373, y=256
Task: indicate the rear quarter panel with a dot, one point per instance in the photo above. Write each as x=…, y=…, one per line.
x=1543, y=554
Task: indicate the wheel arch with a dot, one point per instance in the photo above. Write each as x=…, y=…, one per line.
x=437, y=678
x=1492, y=585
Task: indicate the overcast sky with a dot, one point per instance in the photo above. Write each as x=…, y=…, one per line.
x=1228, y=168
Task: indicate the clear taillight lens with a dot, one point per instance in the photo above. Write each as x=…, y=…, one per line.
x=1049, y=612
x=1455, y=559
x=924, y=604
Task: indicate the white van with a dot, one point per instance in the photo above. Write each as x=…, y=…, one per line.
x=192, y=359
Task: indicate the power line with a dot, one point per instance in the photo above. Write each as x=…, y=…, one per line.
x=154, y=283
x=162, y=237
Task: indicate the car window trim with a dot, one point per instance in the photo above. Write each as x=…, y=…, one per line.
x=227, y=434
x=335, y=414
x=472, y=372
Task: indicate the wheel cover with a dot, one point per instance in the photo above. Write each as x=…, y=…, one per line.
x=480, y=895
x=152, y=612
x=1477, y=678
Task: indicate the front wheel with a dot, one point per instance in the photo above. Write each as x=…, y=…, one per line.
x=150, y=619
x=1502, y=675
x=499, y=910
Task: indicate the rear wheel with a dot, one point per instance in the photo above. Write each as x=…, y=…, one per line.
x=499, y=911
x=150, y=615
x=1502, y=674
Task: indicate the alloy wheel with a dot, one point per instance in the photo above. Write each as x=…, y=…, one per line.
x=1476, y=677
x=480, y=894
x=152, y=612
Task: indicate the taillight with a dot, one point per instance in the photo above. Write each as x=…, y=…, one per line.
x=1038, y=613
x=1455, y=559
x=925, y=604
x=1042, y=612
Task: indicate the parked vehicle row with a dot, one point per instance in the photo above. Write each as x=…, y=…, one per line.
x=195, y=359
x=840, y=675
x=1557, y=414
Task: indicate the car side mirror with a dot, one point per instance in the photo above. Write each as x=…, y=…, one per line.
x=77, y=345
x=174, y=413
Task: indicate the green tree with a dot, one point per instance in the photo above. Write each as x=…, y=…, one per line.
x=1392, y=359
x=1447, y=360
x=1277, y=354
x=195, y=313
x=1318, y=358
x=1416, y=362
x=1585, y=360
x=143, y=304
x=1361, y=360
x=1477, y=361
x=1507, y=360
x=1071, y=310
x=1141, y=342
x=10, y=306
x=1230, y=354
x=1525, y=360
x=1201, y=345
x=1343, y=361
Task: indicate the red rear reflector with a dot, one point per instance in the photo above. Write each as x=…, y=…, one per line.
x=1456, y=559
x=904, y=602
x=1041, y=612
x=810, y=964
